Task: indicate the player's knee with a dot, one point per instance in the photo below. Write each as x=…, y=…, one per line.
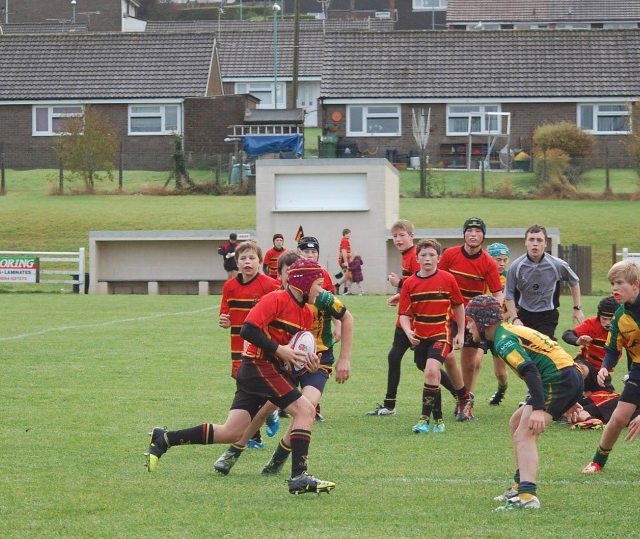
x=395, y=357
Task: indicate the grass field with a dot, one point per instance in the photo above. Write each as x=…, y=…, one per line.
x=84, y=379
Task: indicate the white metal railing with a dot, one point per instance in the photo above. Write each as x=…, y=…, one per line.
x=68, y=257
x=266, y=130
x=626, y=255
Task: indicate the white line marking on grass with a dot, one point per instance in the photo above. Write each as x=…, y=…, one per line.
x=103, y=324
x=506, y=481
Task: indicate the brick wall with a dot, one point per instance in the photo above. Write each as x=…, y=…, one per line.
x=24, y=151
x=109, y=19
x=207, y=120
x=525, y=117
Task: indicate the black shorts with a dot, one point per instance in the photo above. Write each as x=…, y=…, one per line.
x=319, y=378
x=261, y=381
x=561, y=396
x=631, y=392
x=427, y=349
x=468, y=338
x=591, y=381
x=545, y=322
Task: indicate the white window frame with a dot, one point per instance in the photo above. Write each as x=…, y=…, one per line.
x=161, y=114
x=598, y=113
x=282, y=102
x=482, y=113
x=367, y=114
x=51, y=116
x=419, y=5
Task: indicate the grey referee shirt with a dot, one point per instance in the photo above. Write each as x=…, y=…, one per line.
x=538, y=283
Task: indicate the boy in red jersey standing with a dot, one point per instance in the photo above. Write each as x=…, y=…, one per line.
x=402, y=232
x=426, y=301
x=475, y=271
x=264, y=375
x=270, y=263
x=239, y=295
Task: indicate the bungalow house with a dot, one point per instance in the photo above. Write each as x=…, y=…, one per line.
x=372, y=82
x=247, y=57
x=542, y=14
x=98, y=15
x=150, y=86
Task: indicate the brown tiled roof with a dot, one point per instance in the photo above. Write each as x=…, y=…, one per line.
x=41, y=28
x=287, y=24
x=112, y=65
x=250, y=54
x=459, y=11
x=452, y=64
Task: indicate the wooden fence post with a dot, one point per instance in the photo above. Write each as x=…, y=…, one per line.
x=3, y=188
x=61, y=179
x=120, y=178
x=579, y=257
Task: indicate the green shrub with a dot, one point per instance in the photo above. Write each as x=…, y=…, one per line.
x=551, y=166
x=570, y=139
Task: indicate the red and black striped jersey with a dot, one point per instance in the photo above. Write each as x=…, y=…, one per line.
x=429, y=301
x=474, y=273
x=594, y=351
x=410, y=265
x=271, y=261
x=238, y=298
x=280, y=316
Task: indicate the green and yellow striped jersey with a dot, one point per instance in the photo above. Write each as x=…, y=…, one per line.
x=518, y=346
x=325, y=307
x=624, y=334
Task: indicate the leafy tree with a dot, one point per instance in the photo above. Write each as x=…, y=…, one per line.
x=88, y=147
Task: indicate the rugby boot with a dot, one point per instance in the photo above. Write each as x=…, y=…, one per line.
x=382, y=410
x=256, y=442
x=517, y=503
x=438, y=426
x=319, y=418
x=305, y=483
x=465, y=414
x=273, y=424
x=508, y=494
x=226, y=461
x=592, y=467
x=158, y=446
x=273, y=466
x=497, y=397
x=422, y=427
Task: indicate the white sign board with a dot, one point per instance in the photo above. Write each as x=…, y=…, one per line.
x=19, y=269
x=321, y=192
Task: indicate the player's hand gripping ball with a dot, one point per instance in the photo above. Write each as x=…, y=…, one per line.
x=305, y=342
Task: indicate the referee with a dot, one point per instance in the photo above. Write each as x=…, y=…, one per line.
x=534, y=282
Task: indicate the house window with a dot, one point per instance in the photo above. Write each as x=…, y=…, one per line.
x=481, y=122
x=49, y=120
x=619, y=25
x=604, y=118
x=264, y=92
x=373, y=120
x=423, y=5
x=154, y=119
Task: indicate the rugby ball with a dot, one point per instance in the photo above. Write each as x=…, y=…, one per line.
x=306, y=342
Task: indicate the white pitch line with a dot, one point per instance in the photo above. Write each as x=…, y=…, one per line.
x=103, y=324
x=453, y=481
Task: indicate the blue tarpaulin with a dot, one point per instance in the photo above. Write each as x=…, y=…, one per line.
x=272, y=144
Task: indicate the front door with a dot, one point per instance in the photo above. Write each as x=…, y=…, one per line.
x=308, y=94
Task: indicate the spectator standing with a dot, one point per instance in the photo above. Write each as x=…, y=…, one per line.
x=355, y=274
x=228, y=251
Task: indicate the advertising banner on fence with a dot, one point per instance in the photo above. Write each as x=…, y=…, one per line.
x=19, y=269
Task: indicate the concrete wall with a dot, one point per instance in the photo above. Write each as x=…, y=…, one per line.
x=369, y=227
x=157, y=262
